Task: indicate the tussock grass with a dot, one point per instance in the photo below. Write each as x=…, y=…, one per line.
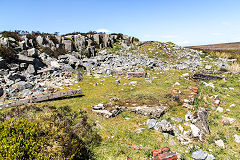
x=235, y=67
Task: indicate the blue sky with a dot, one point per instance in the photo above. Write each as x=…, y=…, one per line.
x=185, y=22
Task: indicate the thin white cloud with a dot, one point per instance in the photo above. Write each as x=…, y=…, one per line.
x=103, y=30
x=216, y=34
x=147, y=36
x=170, y=36
x=184, y=43
x=225, y=23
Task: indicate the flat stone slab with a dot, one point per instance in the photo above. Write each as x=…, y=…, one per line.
x=154, y=112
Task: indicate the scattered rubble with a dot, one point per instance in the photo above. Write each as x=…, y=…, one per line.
x=107, y=111
x=154, y=112
x=227, y=120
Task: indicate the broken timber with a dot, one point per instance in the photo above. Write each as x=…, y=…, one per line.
x=137, y=74
x=41, y=98
x=205, y=76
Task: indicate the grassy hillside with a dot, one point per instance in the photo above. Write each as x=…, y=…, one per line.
x=119, y=137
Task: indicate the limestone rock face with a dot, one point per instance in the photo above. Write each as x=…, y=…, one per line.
x=68, y=45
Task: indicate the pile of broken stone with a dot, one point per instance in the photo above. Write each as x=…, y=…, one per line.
x=34, y=72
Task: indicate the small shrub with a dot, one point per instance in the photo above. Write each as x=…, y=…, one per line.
x=7, y=52
x=46, y=133
x=21, y=139
x=54, y=53
x=211, y=140
x=222, y=136
x=14, y=35
x=54, y=39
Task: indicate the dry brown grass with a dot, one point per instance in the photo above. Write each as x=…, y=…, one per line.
x=235, y=67
x=219, y=47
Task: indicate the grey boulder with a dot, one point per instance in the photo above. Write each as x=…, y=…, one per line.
x=199, y=154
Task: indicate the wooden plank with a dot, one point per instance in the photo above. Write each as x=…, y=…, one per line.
x=137, y=74
x=35, y=99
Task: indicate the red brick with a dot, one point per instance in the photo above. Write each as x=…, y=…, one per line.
x=194, y=89
x=188, y=106
x=167, y=156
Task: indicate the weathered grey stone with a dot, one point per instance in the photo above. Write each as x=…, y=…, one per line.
x=3, y=72
x=114, y=111
x=12, y=92
x=30, y=69
x=9, y=83
x=177, y=119
x=220, y=143
x=68, y=45
x=4, y=42
x=23, y=45
x=24, y=59
x=210, y=157
x=26, y=92
x=33, y=52
x=97, y=38
x=195, y=131
x=37, y=93
x=208, y=67
x=163, y=126
x=55, y=64
x=21, y=85
x=100, y=106
x=154, y=112
x=200, y=119
x=199, y=154
x=151, y=123
x=237, y=138
x=67, y=67
x=39, y=40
